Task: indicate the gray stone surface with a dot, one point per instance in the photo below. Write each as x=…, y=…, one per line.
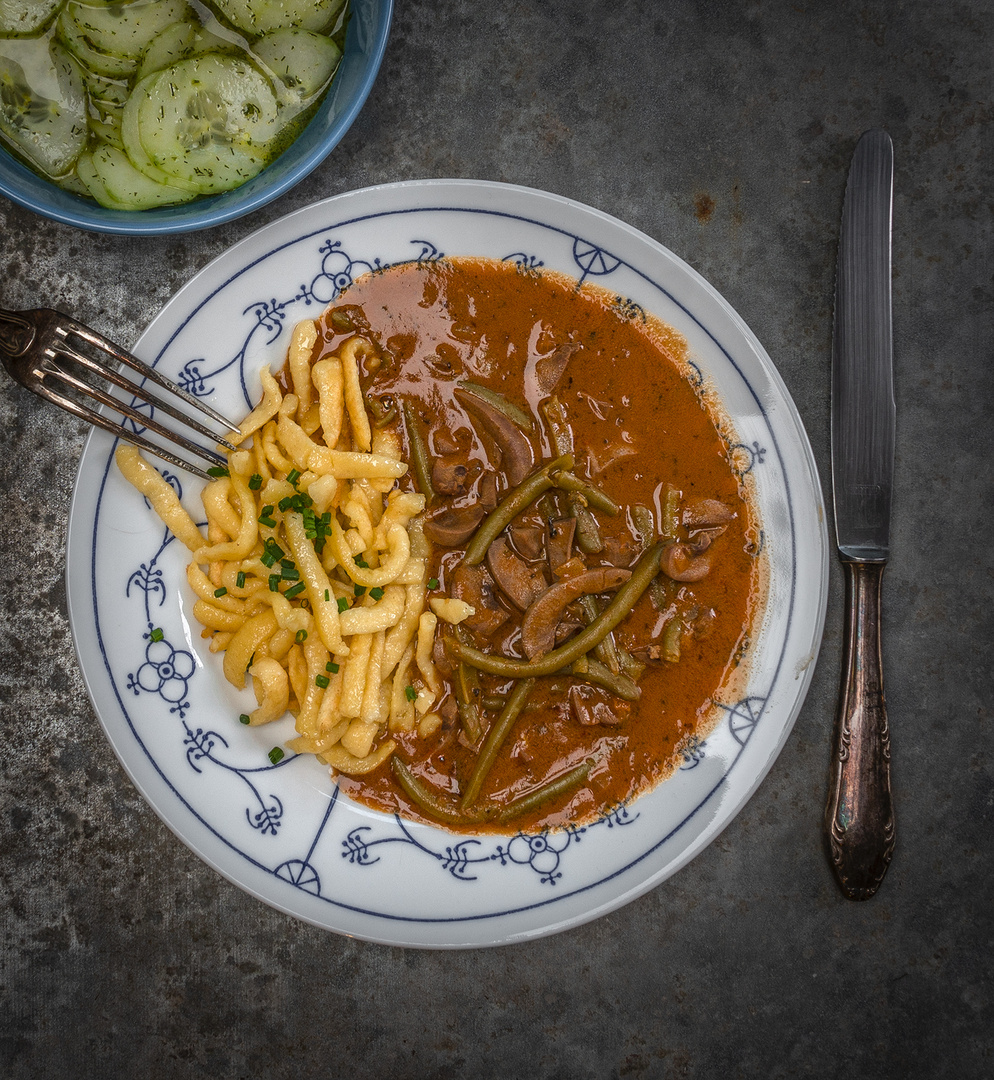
x=724, y=131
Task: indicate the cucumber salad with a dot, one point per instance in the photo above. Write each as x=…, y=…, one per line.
x=144, y=103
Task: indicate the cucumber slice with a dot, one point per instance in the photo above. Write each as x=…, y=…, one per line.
x=171, y=46
x=71, y=182
x=92, y=58
x=133, y=144
x=107, y=130
x=26, y=16
x=305, y=61
x=128, y=187
x=42, y=103
x=179, y=42
x=105, y=91
x=86, y=172
x=126, y=30
x=261, y=16
x=208, y=121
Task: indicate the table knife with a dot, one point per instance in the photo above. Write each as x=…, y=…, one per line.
x=859, y=816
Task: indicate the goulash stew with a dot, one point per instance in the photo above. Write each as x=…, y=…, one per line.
x=574, y=477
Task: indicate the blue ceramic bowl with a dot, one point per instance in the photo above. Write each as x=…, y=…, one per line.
x=365, y=44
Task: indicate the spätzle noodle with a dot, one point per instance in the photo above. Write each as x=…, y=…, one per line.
x=312, y=576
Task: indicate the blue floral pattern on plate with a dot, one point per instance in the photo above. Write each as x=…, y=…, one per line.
x=281, y=830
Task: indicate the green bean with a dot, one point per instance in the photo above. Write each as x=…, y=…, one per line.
x=467, y=687
x=570, y=651
x=500, y=403
x=420, y=459
x=619, y=684
x=645, y=526
x=588, y=534
x=495, y=739
x=545, y=792
x=671, y=639
x=568, y=481
x=431, y=802
x=382, y=414
x=644, y=523
x=516, y=500
x=493, y=703
x=559, y=429
x=629, y=665
x=606, y=650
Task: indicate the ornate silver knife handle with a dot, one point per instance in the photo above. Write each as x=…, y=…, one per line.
x=859, y=817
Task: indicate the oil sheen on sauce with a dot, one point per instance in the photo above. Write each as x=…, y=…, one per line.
x=640, y=426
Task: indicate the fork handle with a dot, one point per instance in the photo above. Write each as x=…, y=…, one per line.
x=859, y=817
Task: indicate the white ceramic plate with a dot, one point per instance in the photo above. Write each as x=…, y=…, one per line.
x=282, y=832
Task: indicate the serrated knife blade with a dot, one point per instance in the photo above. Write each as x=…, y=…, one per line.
x=859, y=816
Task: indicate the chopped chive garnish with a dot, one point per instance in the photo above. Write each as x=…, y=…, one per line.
x=332, y=667
x=376, y=593
x=343, y=604
x=157, y=634
x=327, y=596
x=433, y=583
x=271, y=552
x=293, y=476
x=274, y=582
x=240, y=579
x=267, y=509
x=361, y=562
x=410, y=693
x=359, y=590
x=255, y=482
x=323, y=681
x=221, y=592
x=300, y=637
x=295, y=591
x=217, y=471
x=276, y=755
x=301, y=502
x=244, y=718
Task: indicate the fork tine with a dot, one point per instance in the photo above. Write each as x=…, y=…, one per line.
x=68, y=325
x=97, y=420
x=130, y=412
x=127, y=385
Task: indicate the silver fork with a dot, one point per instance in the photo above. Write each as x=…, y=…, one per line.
x=42, y=346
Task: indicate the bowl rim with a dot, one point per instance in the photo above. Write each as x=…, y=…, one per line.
x=15, y=177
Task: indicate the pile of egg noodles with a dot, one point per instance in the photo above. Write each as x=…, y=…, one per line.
x=312, y=576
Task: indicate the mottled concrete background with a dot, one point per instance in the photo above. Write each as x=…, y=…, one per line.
x=723, y=130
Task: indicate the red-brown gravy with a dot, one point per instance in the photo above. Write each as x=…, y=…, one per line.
x=639, y=424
